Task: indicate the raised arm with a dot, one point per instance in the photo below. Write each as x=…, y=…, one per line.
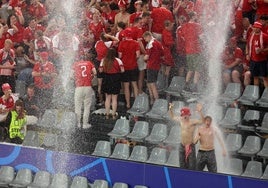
x=171, y=113
x=199, y=109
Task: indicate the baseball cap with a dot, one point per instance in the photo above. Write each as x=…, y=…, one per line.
x=257, y=25
x=6, y=86
x=185, y=111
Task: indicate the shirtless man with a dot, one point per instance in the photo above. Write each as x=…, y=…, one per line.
x=187, y=147
x=122, y=15
x=206, y=154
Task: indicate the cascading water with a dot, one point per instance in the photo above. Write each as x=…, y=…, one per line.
x=215, y=19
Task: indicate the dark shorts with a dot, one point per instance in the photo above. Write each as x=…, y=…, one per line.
x=111, y=83
x=206, y=158
x=180, y=61
x=130, y=75
x=258, y=69
x=152, y=75
x=188, y=162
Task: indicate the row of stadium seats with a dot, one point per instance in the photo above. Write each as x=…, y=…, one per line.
x=24, y=177
x=252, y=146
x=140, y=132
x=139, y=153
x=251, y=96
x=254, y=169
x=251, y=120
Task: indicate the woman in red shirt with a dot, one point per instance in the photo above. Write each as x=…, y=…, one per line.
x=111, y=85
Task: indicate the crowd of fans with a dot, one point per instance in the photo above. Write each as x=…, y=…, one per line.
x=126, y=40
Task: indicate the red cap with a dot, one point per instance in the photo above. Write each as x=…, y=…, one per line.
x=185, y=111
x=44, y=55
x=6, y=86
x=257, y=25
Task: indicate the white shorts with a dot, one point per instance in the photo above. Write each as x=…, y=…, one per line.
x=141, y=63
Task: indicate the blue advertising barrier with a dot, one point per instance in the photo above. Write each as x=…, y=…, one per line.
x=132, y=173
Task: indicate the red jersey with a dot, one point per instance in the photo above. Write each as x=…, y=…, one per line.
x=115, y=68
x=18, y=36
x=230, y=56
x=262, y=7
x=39, y=81
x=109, y=16
x=246, y=6
x=5, y=35
x=155, y=51
x=8, y=103
x=136, y=33
x=83, y=73
x=254, y=42
x=168, y=42
x=128, y=49
x=101, y=48
x=159, y=15
x=190, y=32
x=37, y=11
x=96, y=29
x=28, y=33
x=133, y=16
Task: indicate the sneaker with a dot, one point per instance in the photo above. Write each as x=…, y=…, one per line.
x=86, y=126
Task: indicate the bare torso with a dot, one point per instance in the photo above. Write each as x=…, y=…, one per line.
x=187, y=132
x=206, y=138
x=122, y=17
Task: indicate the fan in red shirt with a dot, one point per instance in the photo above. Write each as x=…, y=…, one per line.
x=159, y=15
x=191, y=32
x=137, y=13
x=129, y=59
x=256, y=51
x=44, y=74
x=107, y=13
x=96, y=26
x=28, y=34
x=232, y=63
x=7, y=64
x=83, y=71
x=182, y=8
x=168, y=44
x=111, y=67
x=15, y=22
x=107, y=41
x=6, y=101
x=38, y=11
x=153, y=57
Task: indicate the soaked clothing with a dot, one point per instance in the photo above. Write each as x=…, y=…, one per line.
x=187, y=156
x=206, y=158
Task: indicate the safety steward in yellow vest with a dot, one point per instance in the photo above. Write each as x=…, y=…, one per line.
x=16, y=123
